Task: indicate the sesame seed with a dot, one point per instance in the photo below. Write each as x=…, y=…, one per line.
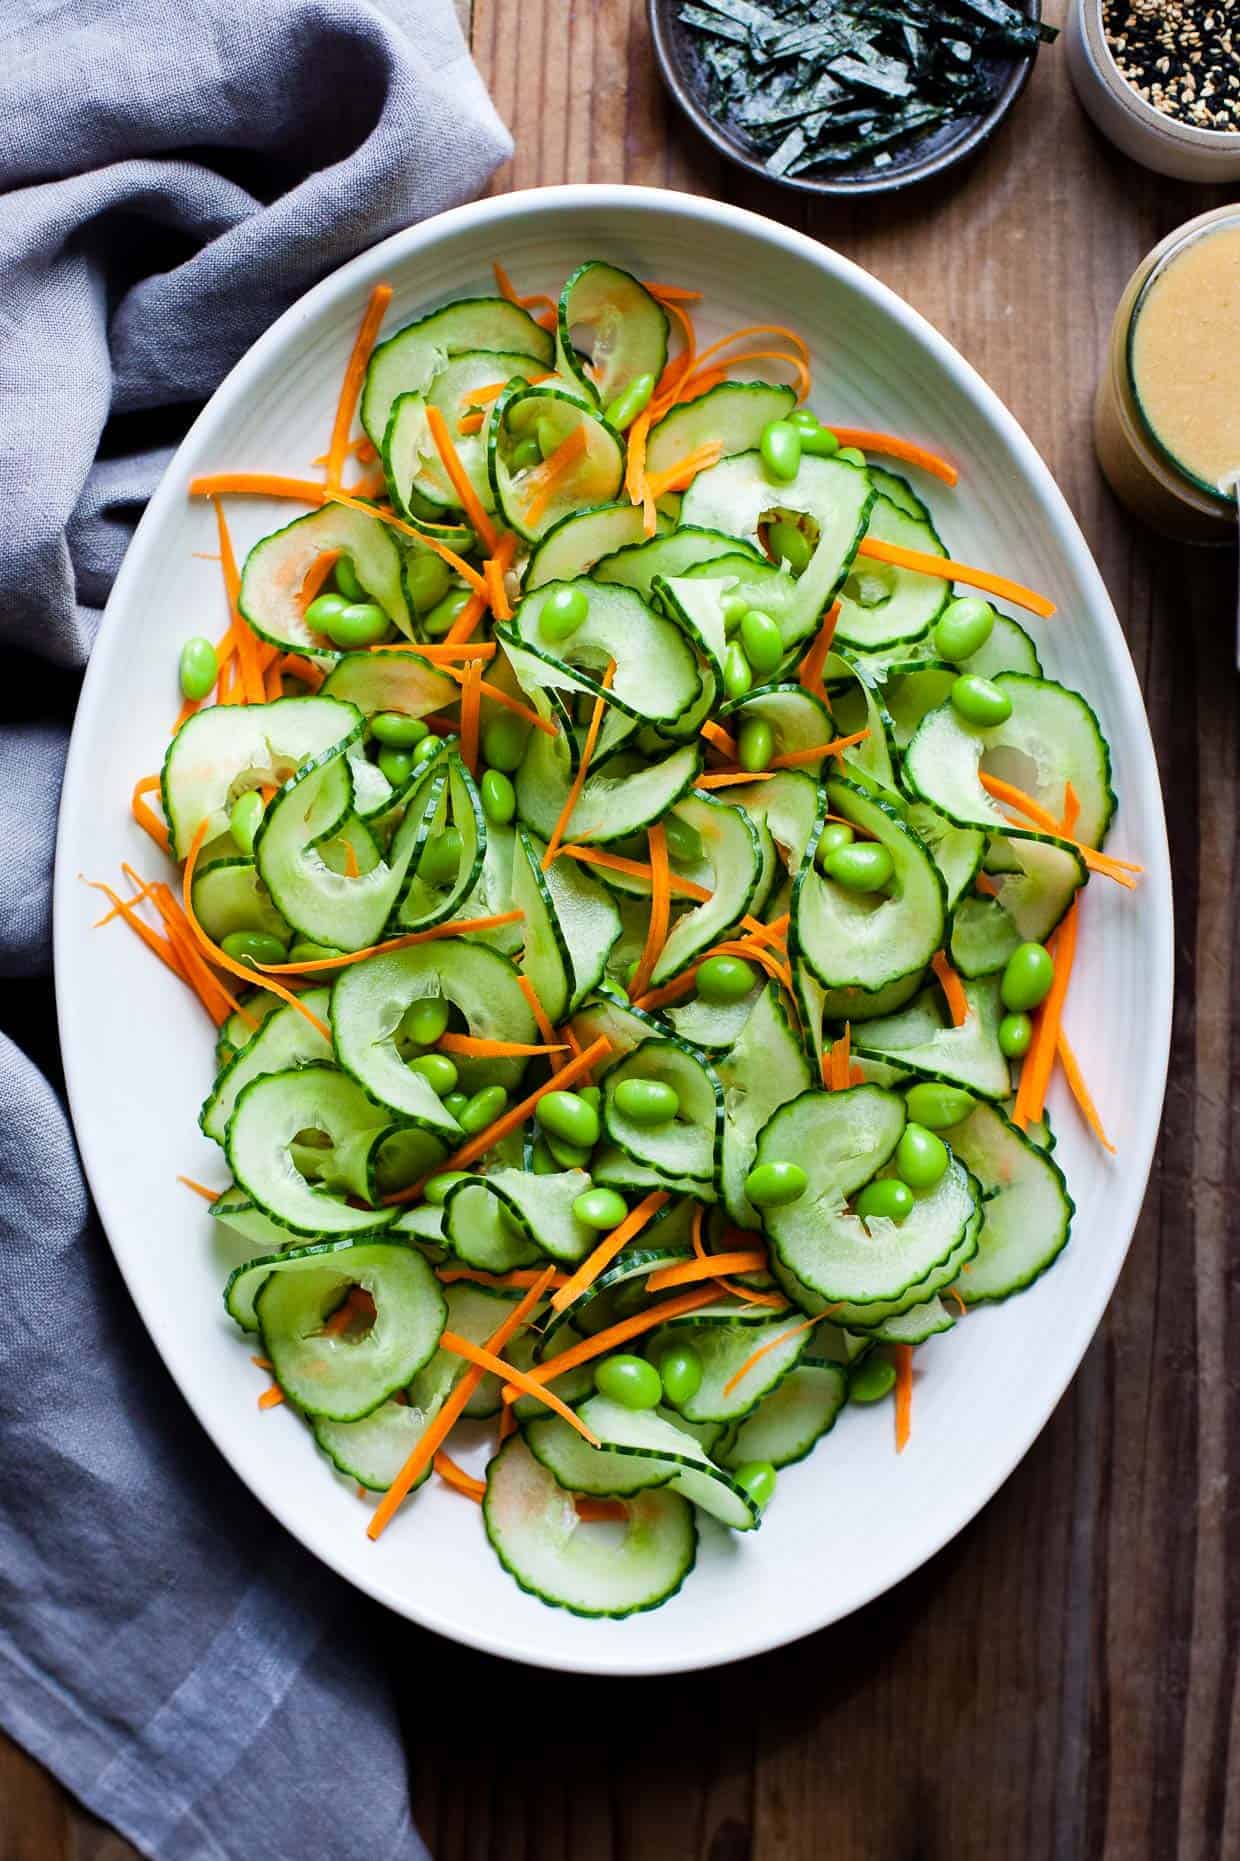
x=1179, y=56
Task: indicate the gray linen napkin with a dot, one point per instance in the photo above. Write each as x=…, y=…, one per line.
x=173, y=173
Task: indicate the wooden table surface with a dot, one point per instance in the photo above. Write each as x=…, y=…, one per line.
x=1062, y=1680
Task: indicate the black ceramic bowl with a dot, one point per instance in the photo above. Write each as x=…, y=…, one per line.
x=923, y=156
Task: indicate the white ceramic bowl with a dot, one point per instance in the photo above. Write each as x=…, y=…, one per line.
x=853, y=1519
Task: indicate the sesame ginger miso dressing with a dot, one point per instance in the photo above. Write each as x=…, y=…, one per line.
x=1185, y=356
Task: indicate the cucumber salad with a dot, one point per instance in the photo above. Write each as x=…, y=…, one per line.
x=636, y=896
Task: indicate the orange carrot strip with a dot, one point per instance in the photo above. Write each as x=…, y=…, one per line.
x=218, y=1001
x=607, y=1249
x=471, y=715
x=755, y=1357
x=904, y=1395
x=756, y=329
x=597, y=1511
x=841, y=1060
x=681, y=473
x=694, y=384
x=774, y=932
x=470, y=423
x=510, y=1119
x=438, y=1431
x=317, y=575
x=893, y=448
x=504, y=285
x=952, y=987
x=476, y=1049
x=494, y=569
x=354, y=374
x=356, y=1304
x=700, y=1254
x=442, y=650
x=519, y=1276
x=672, y=293
x=208, y=1195
x=579, y=780
x=728, y=778
x=636, y=488
x=1013, y=797
x=604, y=1341
x=660, y=907
x=636, y=868
x=542, y=1020
x=750, y=1260
x=495, y=694
x=757, y=953
x=477, y=606
x=478, y=519
x=471, y=576
x=950, y=571
x=491, y=390
x=257, y=485
x=246, y=644
x=719, y=739
x=810, y=674
x=456, y=1477
x=797, y=759
x=1035, y=1072
x=1071, y=809
x=517, y=1379
x=458, y=927
x=545, y=477
x=160, y=946
x=271, y=1397
x=983, y=883
x=1080, y=1091
x=145, y=816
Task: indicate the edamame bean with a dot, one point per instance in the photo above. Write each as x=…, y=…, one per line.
x=427, y=579
x=199, y=667
x=323, y=610
x=438, y=1071
x=483, y=1109
x=346, y=579
x=548, y=434
x=630, y=1381
x=761, y=639
x=438, y=619
x=833, y=836
x=441, y=857
x=503, y=741
x=737, y=678
x=426, y=751
x=526, y=455
x=426, y=1021
x=243, y=819
x=755, y=745
x=567, y=1156
x=865, y=866
x=435, y=1189
x=563, y=612
x=646, y=1101
x=788, y=543
x=396, y=765
x=1027, y=977
x=306, y=951
x=803, y=420
x=593, y=1095
x=980, y=702
x=684, y=842
x=871, y=1380
x=455, y=1102
x=1015, y=1036
x=849, y=455
x=603, y=1209
x=963, y=628
x=725, y=979
x=780, y=446
x=631, y=401
x=758, y=1478
x=937, y=1107
x=681, y=1371
x=568, y=1116
x=499, y=798
x=822, y=444
x=734, y=608
x=921, y=1157
x=361, y=623
x=774, y=1185
x=544, y=1164
x=252, y=947
x=888, y=1199
x=396, y=731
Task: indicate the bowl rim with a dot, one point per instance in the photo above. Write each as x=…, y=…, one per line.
x=1080, y=1323
x=1222, y=142
x=971, y=142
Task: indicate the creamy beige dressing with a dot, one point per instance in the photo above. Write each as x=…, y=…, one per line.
x=1186, y=356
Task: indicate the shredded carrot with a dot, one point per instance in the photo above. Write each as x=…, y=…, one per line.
x=467, y=574
x=952, y=987
x=681, y=473
x=257, y=485
x=1080, y=1091
x=728, y=778
x=696, y=383
x=542, y=1019
x=700, y=1254
x=357, y=1305
x=160, y=946
x=1123, y=871
x=756, y=1357
x=607, y=1249
x=893, y=448
x=719, y=739
x=504, y=285
x=671, y=293
x=841, y=1056
x=519, y=1276
x=437, y=1432
x=507, y=1422
x=546, y=478
x=597, y=1511
x=1035, y=1072
x=471, y=715
x=660, y=907
x=953, y=1294
x=271, y=1397
x=442, y=651
x=636, y=869
x=317, y=575
x=583, y=767
x=296, y=667
x=749, y=1260
x=491, y=390
x=470, y=423
x=362, y=449
x=244, y=639
x=354, y=375
x=458, y=927
x=904, y=1394
x=510, y=1119
x=774, y=932
x=216, y=999
x=212, y=950
x=145, y=816
x=456, y=1477
x=495, y=694
x=208, y=1195
x=524, y=1384
x=750, y=948
x=604, y=1341
x=1071, y=809
x=494, y=569
x=983, y=883
x=262, y=1363
x=470, y=502
x=476, y=1049
x=797, y=759
x=810, y=674
x=636, y=488
x=947, y=570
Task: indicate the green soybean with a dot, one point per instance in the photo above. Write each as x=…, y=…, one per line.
x=646, y=1101
x=542, y=1161
x=1027, y=977
x=306, y=951
x=199, y=667
x=849, y=455
x=346, y=579
x=243, y=819
x=325, y=609
x=396, y=765
x=427, y=579
x=437, y=620
x=568, y=1116
x=921, y=1157
x=526, y=455
x=630, y=402
x=762, y=641
x=455, y=1102
x=499, y=798
x=938, y=1107
x=980, y=702
x=426, y=751
x=252, y=947
x=833, y=836
x=426, y=1021
x=593, y=1095
x=803, y=420
x=563, y=612
x=602, y=1209
x=822, y=444
x=725, y=979
x=1015, y=1036
x=483, y=1109
x=871, y=1380
x=755, y=745
x=441, y=857
x=963, y=628
x=567, y=1156
x=681, y=1371
x=435, y=1190
x=780, y=447
x=503, y=741
x=758, y=1477
x=438, y=1071
x=737, y=677
x=630, y=1381
x=684, y=842
x=788, y=543
x=773, y=1185
x=396, y=731
x=888, y=1199
x=360, y=623
x=863, y=866
x=734, y=608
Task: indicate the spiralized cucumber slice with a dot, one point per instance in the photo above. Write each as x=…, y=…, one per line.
x=983, y=937
x=425, y=904
x=656, y=678
x=918, y=1040
x=588, y=1569
x=635, y=565
x=571, y=924
x=286, y=1039
x=724, y=1348
x=1026, y=1209
x=269, y=1114
x=639, y=1450
x=372, y=1451
x=625, y=325
x=715, y=1027
x=787, y=1423
x=734, y=414
x=688, y=1146
x=242, y=1217
x=408, y=362
x=881, y=605
x=230, y=896
x=479, y=1230
x=594, y=476
x=732, y=854
x=788, y=806
x=798, y=720
x=765, y=1068
x=761, y=584
x=575, y=544
x=537, y=1208
x=276, y=568
x=956, y=851
x=389, y=681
